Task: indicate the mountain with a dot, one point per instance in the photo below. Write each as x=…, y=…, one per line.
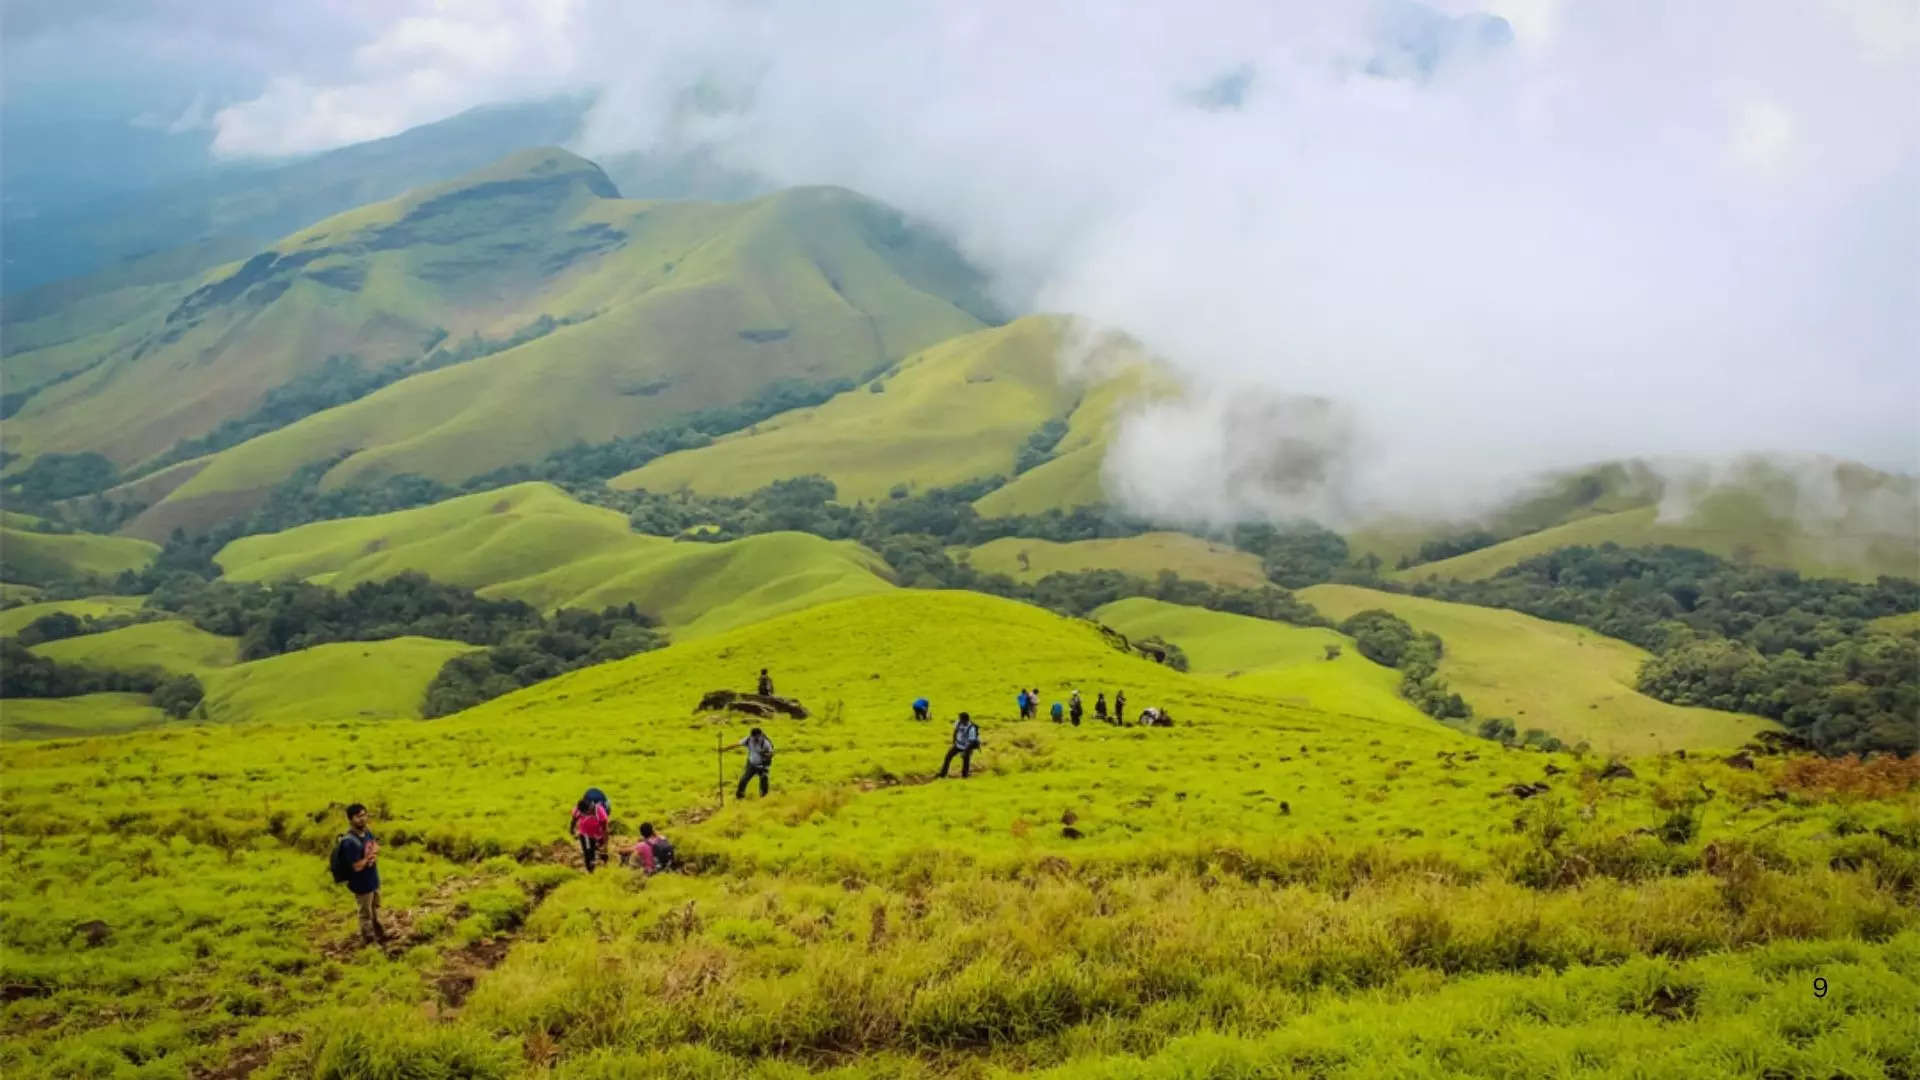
x=487, y=321
x=217, y=212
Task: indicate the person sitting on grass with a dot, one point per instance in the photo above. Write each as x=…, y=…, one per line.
x=1059, y=711
x=654, y=851
x=590, y=825
x=966, y=739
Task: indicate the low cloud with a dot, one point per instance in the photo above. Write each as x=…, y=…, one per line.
x=1494, y=241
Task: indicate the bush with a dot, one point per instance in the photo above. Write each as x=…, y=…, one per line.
x=178, y=696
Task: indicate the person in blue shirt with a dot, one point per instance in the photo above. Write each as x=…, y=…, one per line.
x=356, y=865
x=1024, y=702
x=921, y=710
x=1059, y=712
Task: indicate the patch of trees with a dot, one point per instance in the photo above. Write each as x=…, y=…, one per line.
x=1039, y=447
x=1297, y=555
x=52, y=477
x=58, y=625
x=572, y=639
x=24, y=674
x=1389, y=640
x=1446, y=547
x=273, y=619
x=1764, y=641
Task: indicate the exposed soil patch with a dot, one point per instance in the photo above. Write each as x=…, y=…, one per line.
x=245, y=1060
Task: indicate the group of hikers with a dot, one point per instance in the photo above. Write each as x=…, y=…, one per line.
x=355, y=859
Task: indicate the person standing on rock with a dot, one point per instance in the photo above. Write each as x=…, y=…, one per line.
x=355, y=864
x=759, y=750
x=966, y=739
x=766, y=683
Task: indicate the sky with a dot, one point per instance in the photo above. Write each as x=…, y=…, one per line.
x=1492, y=239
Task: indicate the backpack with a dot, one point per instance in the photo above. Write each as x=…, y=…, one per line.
x=662, y=852
x=594, y=794
x=338, y=863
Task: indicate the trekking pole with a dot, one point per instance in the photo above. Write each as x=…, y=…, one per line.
x=719, y=769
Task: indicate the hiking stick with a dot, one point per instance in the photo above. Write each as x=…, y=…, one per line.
x=720, y=768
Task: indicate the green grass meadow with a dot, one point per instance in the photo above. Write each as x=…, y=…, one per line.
x=1264, y=889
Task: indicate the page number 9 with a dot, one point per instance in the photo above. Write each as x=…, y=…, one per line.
x=1819, y=987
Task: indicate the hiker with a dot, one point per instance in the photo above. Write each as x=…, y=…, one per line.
x=654, y=851
x=1033, y=704
x=759, y=759
x=1058, y=712
x=1022, y=701
x=590, y=825
x=921, y=710
x=1074, y=709
x=966, y=739
x=355, y=864
x=1100, y=706
x=1120, y=707
x=766, y=683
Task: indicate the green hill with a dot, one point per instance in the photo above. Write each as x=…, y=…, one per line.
x=346, y=680
x=88, y=714
x=1821, y=517
x=659, y=309
x=15, y=619
x=171, y=645
x=1565, y=679
x=958, y=411
x=532, y=542
x=1908, y=623
x=34, y=558
x=1262, y=889
x=1142, y=556
x=1282, y=663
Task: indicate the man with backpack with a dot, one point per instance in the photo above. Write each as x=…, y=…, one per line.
x=1100, y=706
x=766, y=683
x=1023, y=702
x=966, y=739
x=1120, y=707
x=1058, y=712
x=759, y=750
x=355, y=864
x=1074, y=709
x=922, y=709
x=654, y=851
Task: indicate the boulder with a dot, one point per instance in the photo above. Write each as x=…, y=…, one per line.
x=1740, y=760
x=1616, y=770
x=759, y=705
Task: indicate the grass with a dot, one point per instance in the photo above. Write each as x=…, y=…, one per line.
x=954, y=412
x=686, y=305
x=15, y=619
x=346, y=680
x=88, y=714
x=1142, y=556
x=862, y=922
x=533, y=542
x=36, y=558
x=171, y=645
x=1565, y=679
x=1909, y=623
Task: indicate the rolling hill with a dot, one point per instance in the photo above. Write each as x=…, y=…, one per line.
x=15, y=619
x=1564, y=679
x=30, y=557
x=958, y=411
x=1143, y=556
x=1261, y=889
x=340, y=681
x=652, y=310
x=171, y=645
x=1819, y=516
x=534, y=543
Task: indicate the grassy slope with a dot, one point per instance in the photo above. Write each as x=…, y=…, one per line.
x=957, y=411
x=1908, y=623
x=1381, y=927
x=89, y=714
x=826, y=283
x=172, y=645
x=15, y=619
x=347, y=680
x=1287, y=662
x=1143, y=556
x=532, y=542
x=36, y=557
x=1822, y=517
x=1572, y=682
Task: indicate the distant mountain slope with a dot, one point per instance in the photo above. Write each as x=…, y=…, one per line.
x=171, y=645
x=959, y=411
x=235, y=209
x=532, y=542
x=1565, y=679
x=1142, y=556
x=344, y=680
x=15, y=619
x=1820, y=516
x=651, y=310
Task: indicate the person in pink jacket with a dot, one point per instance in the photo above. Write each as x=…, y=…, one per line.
x=590, y=825
x=654, y=851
